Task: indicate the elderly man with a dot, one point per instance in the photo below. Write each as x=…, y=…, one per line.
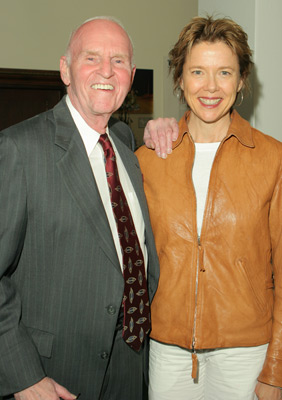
x=78, y=264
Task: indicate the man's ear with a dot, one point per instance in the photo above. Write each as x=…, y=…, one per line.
x=64, y=70
x=133, y=74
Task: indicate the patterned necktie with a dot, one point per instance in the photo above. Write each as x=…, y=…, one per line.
x=136, y=322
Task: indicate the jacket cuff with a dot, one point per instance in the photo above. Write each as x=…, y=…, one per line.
x=271, y=373
x=20, y=364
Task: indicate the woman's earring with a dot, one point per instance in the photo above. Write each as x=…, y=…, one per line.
x=242, y=98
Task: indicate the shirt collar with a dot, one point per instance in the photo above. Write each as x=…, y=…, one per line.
x=89, y=136
x=239, y=127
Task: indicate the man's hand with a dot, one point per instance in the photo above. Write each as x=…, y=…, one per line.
x=159, y=135
x=46, y=389
x=267, y=392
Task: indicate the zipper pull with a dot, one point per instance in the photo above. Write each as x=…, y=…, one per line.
x=194, y=365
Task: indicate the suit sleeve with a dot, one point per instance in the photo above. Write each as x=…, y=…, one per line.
x=20, y=365
x=272, y=369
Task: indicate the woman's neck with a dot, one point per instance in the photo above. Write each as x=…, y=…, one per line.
x=204, y=132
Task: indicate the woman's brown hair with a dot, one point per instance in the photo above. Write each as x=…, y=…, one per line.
x=211, y=30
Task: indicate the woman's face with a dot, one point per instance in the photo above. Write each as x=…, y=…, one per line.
x=210, y=81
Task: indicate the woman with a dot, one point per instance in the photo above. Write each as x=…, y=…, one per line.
x=216, y=211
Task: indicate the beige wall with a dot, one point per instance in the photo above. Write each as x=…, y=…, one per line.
x=34, y=33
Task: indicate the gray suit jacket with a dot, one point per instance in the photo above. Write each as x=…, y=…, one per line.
x=61, y=285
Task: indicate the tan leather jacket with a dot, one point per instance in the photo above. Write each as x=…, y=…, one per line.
x=218, y=290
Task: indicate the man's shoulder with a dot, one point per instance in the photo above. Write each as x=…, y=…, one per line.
x=122, y=132
x=36, y=123
x=30, y=124
x=31, y=135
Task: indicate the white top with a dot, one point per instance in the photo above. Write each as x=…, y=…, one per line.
x=204, y=156
x=96, y=157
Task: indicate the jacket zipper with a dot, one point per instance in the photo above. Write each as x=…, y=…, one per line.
x=194, y=353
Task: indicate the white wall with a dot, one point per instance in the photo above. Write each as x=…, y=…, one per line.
x=261, y=20
x=268, y=58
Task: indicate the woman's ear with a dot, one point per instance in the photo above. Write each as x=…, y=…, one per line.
x=241, y=85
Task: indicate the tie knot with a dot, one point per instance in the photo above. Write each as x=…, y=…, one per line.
x=106, y=144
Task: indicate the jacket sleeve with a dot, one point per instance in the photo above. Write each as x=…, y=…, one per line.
x=20, y=365
x=272, y=369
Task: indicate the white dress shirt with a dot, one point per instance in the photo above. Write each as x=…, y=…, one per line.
x=96, y=157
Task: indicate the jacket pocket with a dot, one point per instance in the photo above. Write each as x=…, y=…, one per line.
x=42, y=340
x=255, y=284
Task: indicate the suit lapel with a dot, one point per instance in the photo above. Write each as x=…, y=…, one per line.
x=133, y=170
x=77, y=174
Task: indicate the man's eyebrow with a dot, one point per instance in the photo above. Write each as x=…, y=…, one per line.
x=91, y=52
x=96, y=52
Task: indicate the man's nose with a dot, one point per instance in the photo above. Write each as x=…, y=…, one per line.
x=106, y=68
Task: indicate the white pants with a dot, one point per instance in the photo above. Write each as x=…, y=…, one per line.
x=223, y=374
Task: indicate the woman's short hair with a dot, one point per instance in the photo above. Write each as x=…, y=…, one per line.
x=208, y=29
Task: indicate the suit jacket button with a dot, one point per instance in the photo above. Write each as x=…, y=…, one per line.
x=104, y=355
x=111, y=310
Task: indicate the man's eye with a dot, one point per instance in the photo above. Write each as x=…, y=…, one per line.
x=92, y=58
x=196, y=72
